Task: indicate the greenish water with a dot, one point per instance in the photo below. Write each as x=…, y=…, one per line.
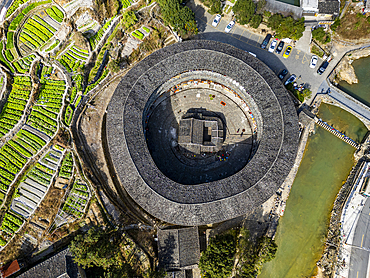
x=360, y=90
x=291, y=2
x=325, y=165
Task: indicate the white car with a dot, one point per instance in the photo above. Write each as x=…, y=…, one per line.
x=229, y=26
x=313, y=62
x=216, y=21
x=273, y=45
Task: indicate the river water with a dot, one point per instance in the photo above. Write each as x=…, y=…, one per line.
x=325, y=166
x=360, y=90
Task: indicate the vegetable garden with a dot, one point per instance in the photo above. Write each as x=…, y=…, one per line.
x=74, y=59
x=49, y=102
x=55, y=13
x=94, y=40
x=16, y=104
x=66, y=170
x=77, y=200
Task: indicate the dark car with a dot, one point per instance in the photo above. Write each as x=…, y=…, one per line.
x=282, y=74
x=323, y=67
x=280, y=47
x=266, y=41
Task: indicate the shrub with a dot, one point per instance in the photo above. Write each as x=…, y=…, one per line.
x=336, y=24
x=255, y=21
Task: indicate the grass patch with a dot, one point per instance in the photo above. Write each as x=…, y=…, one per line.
x=353, y=27
x=317, y=51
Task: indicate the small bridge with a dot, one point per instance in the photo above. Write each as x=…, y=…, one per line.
x=337, y=133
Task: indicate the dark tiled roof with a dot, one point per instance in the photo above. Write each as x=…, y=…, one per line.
x=210, y=202
x=58, y=266
x=178, y=248
x=329, y=7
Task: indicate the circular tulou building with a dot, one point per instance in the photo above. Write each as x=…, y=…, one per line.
x=201, y=132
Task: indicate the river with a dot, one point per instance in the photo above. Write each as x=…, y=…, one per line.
x=325, y=166
x=361, y=89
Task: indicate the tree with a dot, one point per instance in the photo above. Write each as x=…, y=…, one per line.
x=218, y=259
x=286, y=27
x=319, y=34
x=97, y=248
x=306, y=93
x=129, y=19
x=260, y=6
x=182, y=19
x=255, y=21
x=216, y=7
x=244, y=10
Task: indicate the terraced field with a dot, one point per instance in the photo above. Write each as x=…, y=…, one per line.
x=74, y=58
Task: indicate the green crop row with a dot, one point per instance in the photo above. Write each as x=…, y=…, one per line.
x=44, y=111
x=44, y=168
x=34, y=5
x=55, y=44
x=3, y=60
x=96, y=38
x=31, y=138
x=31, y=42
x=31, y=30
x=58, y=16
x=137, y=34
x=73, y=54
x=25, y=145
x=146, y=29
x=70, y=210
x=11, y=154
x=91, y=86
x=13, y=219
x=125, y=3
x=40, y=116
x=10, y=40
x=68, y=115
x=14, y=6
x=6, y=175
x=20, y=149
x=37, y=178
x=41, y=174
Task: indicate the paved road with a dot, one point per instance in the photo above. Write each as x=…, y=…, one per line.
x=359, y=262
x=240, y=37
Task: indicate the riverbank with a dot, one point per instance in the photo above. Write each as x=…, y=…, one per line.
x=344, y=71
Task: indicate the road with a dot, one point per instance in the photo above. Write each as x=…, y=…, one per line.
x=360, y=251
x=240, y=37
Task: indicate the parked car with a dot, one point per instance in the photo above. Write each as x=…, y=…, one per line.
x=291, y=79
x=266, y=41
x=313, y=62
x=323, y=67
x=280, y=47
x=288, y=51
x=273, y=45
x=217, y=20
x=282, y=74
x=229, y=26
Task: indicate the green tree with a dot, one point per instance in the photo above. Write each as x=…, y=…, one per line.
x=244, y=10
x=319, y=34
x=306, y=93
x=97, y=247
x=218, y=259
x=182, y=19
x=255, y=21
x=286, y=27
x=216, y=7
x=129, y=19
x=260, y=6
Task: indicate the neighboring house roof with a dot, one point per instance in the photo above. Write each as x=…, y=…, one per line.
x=329, y=7
x=9, y=269
x=178, y=248
x=60, y=265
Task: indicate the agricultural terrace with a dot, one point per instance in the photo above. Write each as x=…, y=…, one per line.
x=94, y=40
x=37, y=30
x=10, y=225
x=36, y=183
x=16, y=104
x=74, y=58
x=48, y=105
x=77, y=200
x=66, y=170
